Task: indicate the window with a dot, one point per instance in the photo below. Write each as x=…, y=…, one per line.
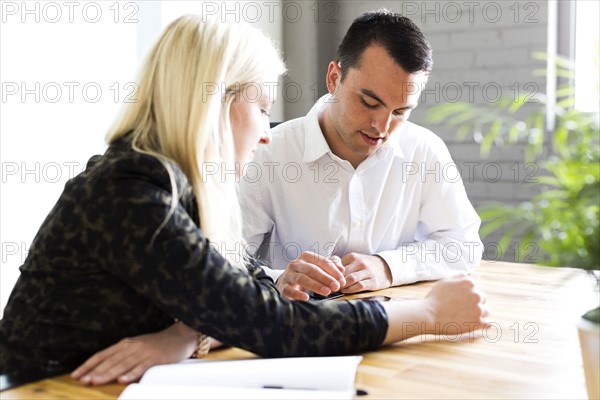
x=65, y=71
x=587, y=40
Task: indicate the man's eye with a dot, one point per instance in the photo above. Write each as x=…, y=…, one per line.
x=368, y=105
x=265, y=112
x=402, y=114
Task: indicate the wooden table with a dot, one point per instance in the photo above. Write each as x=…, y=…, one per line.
x=530, y=351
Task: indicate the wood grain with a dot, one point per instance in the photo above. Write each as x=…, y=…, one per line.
x=531, y=350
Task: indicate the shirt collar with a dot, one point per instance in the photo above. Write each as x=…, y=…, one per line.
x=393, y=143
x=315, y=145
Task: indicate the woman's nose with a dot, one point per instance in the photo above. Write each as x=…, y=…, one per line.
x=266, y=137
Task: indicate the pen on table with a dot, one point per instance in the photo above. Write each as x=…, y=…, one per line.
x=359, y=392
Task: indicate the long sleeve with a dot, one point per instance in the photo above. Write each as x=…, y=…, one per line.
x=405, y=203
x=258, y=224
x=446, y=238
x=182, y=274
x=96, y=273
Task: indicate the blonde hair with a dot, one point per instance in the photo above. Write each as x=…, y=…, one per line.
x=186, y=88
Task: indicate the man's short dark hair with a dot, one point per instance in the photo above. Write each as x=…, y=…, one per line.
x=401, y=38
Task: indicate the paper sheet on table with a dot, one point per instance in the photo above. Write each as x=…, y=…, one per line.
x=323, y=373
x=299, y=377
x=159, y=392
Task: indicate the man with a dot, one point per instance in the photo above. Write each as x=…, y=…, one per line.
x=354, y=181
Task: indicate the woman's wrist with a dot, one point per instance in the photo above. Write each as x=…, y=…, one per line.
x=199, y=342
x=202, y=346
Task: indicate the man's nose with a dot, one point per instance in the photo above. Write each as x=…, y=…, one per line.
x=381, y=121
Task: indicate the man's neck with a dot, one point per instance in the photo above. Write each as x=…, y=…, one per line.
x=334, y=141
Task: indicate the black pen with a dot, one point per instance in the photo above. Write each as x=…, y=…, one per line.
x=359, y=392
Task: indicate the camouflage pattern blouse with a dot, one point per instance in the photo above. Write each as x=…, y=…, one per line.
x=94, y=276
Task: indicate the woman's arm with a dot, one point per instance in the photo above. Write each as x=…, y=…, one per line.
x=454, y=303
x=127, y=360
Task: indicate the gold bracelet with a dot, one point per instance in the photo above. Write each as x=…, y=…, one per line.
x=202, y=347
x=202, y=344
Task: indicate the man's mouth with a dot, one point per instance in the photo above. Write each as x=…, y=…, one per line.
x=371, y=140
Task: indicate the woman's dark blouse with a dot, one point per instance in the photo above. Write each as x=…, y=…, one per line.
x=93, y=276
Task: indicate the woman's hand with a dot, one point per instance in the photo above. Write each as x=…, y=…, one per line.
x=128, y=359
x=452, y=302
x=456, y=302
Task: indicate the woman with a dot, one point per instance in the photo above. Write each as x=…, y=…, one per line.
x=126, y=248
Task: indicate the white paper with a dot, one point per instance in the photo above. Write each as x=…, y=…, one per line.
x=308, y=373
x=159, y=392
x=276, y=378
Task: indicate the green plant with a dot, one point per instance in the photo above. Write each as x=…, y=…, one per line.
x=563, y=219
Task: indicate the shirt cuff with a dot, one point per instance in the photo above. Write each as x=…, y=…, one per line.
x=402, y=266
x=273, y=273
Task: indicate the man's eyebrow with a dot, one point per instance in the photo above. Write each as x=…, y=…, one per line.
x=374, y=96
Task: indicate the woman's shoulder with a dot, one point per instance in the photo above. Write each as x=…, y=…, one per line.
x=121, y=162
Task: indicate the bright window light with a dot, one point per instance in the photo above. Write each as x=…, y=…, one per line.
x=65, y=69
x=586, y=55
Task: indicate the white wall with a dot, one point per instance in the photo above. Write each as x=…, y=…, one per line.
x=263, y=15
x=64, y=74
x=487, y=53
x=66, y=68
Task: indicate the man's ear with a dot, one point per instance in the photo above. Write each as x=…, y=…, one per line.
x=333, y=78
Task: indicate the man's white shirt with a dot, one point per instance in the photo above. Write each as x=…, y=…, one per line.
x=405, y=203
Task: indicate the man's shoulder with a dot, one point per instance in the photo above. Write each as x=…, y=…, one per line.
x=420, y=144
x=419, y=132
x=287, y=138
x=282, y=131
x=414, y=135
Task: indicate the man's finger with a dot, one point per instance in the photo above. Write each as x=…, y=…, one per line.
x=325, y=264
x=338, y=263
x=295, y=294
x=311, y=276
x=315, y=280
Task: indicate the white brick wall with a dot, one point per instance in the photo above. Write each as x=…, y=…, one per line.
x=484, y=39
x=502, y=57
x=496, y=54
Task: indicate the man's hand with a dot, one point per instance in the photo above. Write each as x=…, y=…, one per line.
x=365, y=272
x=313, y=272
